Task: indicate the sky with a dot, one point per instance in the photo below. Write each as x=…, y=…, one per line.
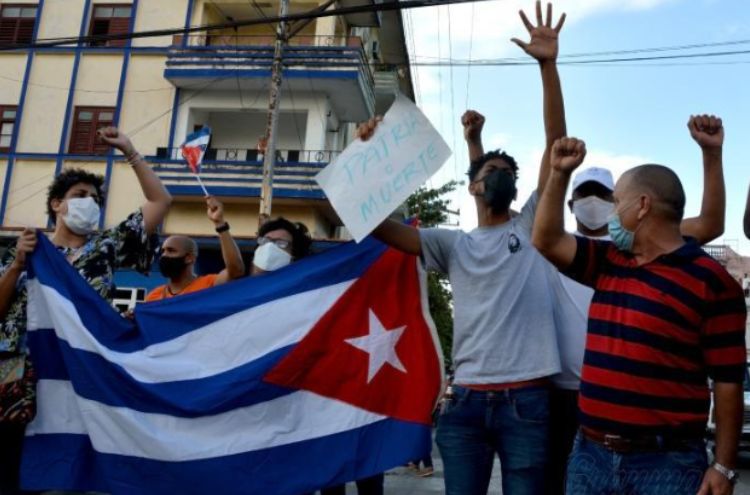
x=628, y=114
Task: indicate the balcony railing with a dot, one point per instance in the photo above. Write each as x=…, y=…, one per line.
x=239, y=172
x=251, y=155
x=233, y=40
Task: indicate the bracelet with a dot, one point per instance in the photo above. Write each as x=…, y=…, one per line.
x=222, y=228
x=134, y=158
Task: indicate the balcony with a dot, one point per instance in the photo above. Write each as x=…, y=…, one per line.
x=334, y=65
x=238, y=172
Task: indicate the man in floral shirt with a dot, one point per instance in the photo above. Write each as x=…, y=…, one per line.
x=73, y=203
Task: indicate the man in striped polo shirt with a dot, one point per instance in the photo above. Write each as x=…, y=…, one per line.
x=664, y=318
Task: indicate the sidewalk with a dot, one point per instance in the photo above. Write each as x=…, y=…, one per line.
x=402, y=481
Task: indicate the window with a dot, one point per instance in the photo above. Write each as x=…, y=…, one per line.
x=7, y=124
x=86, y=121
x=17, y=24
x=108, y=20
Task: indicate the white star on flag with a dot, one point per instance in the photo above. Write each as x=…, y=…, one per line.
x=380, y=344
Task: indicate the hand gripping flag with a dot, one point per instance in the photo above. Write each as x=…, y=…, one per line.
x=193, y=150
x=323, y=372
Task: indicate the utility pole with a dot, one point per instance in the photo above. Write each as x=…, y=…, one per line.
x=269, y=155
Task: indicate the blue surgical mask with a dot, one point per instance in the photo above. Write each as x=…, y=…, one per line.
x=622, y=238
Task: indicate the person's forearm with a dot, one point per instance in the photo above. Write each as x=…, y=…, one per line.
x=729, y=409
x=549, y=222
x=151, y=185
x=232, y=256
x=476, y=150
x=8, y=288
x=710, y=223
x=554, y=115
x=400, y=236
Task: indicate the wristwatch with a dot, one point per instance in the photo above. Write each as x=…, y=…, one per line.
x=730, y=474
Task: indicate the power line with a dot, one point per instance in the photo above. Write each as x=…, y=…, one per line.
x=312, y=14
x=471, y=45
x=453, y=98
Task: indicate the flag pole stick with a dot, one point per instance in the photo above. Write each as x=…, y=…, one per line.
x=200, y=182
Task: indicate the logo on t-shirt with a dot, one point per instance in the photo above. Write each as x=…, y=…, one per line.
x=514, y=243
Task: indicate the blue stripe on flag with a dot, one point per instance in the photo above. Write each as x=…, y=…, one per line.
x=239, y=387
x=164, y=320
x=63, y=462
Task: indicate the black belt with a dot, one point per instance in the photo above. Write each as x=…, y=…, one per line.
x=639, y=443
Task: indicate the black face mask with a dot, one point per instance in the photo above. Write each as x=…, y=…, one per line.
x=171, y=267
x=499, y=191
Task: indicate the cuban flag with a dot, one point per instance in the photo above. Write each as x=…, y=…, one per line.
x=195, y=147
x=323, y=372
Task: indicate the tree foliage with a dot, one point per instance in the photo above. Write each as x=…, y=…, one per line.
x=430, y=206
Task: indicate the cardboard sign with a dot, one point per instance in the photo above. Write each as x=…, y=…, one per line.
x=370, y=179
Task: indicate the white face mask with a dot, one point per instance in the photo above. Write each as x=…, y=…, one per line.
x=593, y=212
x=82, y=216
x=270, y=257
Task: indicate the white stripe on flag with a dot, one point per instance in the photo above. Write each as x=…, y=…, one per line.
x=116, y=430
x=220, y=346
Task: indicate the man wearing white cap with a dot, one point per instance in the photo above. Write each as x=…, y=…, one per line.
x=592, y=204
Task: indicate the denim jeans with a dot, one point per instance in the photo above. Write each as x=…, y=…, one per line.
x=593, y=469
x=474, y=426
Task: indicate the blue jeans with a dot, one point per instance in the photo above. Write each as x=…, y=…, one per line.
x=593, y=469
x=474, y=426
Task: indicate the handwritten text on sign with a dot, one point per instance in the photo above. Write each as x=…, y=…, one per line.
x=371, y=179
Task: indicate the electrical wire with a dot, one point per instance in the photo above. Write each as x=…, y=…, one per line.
x=312, y=14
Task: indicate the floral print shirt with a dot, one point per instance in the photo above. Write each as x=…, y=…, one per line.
x=126, y=245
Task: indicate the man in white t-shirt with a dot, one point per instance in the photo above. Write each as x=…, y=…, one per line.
x=592, y=204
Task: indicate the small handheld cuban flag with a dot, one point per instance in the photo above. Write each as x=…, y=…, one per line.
x=193, y=150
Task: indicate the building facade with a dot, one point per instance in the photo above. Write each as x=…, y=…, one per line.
x=338, y=70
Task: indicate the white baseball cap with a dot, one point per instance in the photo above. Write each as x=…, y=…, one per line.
x=594, y=174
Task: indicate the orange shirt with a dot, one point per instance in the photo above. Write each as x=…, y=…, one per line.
x=200, y=283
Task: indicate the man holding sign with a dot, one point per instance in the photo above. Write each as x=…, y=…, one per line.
x=504, y=337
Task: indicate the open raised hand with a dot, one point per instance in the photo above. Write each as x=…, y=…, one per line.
x=543, y=45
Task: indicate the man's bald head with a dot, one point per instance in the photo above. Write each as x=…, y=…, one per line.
x=179, y=245
x=661, y=184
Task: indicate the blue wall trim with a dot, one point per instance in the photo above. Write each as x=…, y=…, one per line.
x=243, y=192
x=71, y=93
x=118, y=106
x=19, y=116
x=287, y=74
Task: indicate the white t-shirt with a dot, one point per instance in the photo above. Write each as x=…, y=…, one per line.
x=503, y=326
x=572, y=301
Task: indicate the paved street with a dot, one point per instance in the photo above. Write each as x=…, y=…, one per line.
x=402, y=481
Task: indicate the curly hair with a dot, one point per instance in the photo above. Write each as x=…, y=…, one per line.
x=69, y=178
x=301, y=240
x=476, y=165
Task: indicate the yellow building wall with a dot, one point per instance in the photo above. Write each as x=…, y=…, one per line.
x=27, y=198
x=159, y=14
x=148, y=100
x=98, y=80
x=13, y=66
x=45, y=103
x=61, y=18
x=124, y=195
x=189, y=217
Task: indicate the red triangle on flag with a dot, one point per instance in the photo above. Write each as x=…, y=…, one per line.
x=354, y=351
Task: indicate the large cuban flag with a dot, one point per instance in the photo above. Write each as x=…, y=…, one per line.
x=323, y=372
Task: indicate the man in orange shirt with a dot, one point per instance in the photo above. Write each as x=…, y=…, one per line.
x=179, y=254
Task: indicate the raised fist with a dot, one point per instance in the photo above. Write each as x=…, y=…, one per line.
x=473, y=123
x=567, y=154
x=116, y=139
x=706, y=130
x=215, y=210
